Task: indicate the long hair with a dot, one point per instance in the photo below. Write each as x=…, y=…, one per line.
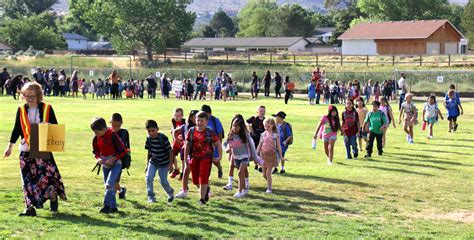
x=337, y=123
x=385, y=100
x=271, y=121
x=192, y=116
x=239, y=119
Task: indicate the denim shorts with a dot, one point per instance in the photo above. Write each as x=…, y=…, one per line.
x=362, y=134
x=237, y=162
x=327, y=139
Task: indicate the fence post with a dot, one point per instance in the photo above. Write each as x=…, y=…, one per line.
x=317, y=59
x=185, y=57
x=207, y=56
x=227, y=57
x=294, y=59
x=367, y=62
x=271, y=58
x=341, y=59
x=393, y=60
x=449, y=60
x=164, y=56
x=248, y=57
x=421, y=60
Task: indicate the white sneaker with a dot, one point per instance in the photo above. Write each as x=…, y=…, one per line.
x=152, y=200
x=228, y=187
x=329, y=163
x=239, y=195
x=269, y=191
x=247, y=189
x=181, y=194
x=430, y=137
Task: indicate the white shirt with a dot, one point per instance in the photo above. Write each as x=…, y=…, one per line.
x=401, y=85
x=33, y=117
x=431, y=111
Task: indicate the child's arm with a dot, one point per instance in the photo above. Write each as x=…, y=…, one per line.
x=400, y=116
x=219, y=150
x=460, y=106
x=391, y=117
x=440, y=114
x=171, y=159
x=259, y=147
x=315, y=136
x=280, y=152
x=424, y=111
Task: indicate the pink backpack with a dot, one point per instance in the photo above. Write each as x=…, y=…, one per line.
x=268, y=146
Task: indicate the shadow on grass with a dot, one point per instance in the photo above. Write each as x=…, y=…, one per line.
x=398, y=170
x=327, y=180
x=410, y=164
x=84, y=219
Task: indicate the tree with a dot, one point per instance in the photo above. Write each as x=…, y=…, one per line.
x=343, y=19
x=152, y=24
x=73, y=23
x=37, y=31
x=468, y=21
x=294, y=21
x=334, y=4
x=322, y=20
x=398, y=10
x=358, y=20
x=208, y=32
x=454, y=15
x=222, y=24
x=256, y=19
x=16, y=9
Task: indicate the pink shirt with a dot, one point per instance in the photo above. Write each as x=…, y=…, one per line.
x=327, y=132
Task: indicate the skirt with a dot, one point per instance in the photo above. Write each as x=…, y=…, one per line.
x=269, y=160
x=41, y=181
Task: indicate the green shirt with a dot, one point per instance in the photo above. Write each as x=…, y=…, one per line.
x=376, y=120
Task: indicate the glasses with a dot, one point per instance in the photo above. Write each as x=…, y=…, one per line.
x=31, y=97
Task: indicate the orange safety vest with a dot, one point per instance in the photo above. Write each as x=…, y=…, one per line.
x=25, y=122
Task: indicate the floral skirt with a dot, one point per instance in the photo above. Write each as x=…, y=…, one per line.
x=41, y=180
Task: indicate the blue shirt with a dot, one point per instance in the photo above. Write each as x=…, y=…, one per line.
x=452, y=107
x=282, y=135
x=217, y=129
x=456, y=95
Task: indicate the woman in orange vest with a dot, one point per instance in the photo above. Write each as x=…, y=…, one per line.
x=41, y=178
x=114, y=79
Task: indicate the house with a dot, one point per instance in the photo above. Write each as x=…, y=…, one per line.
x=290, y=44
x=5, y=47
x=316, y=45
x=75, y=41
x=403, y=37
x=324, y=34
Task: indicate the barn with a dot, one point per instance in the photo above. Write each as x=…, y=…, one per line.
x=403, y=38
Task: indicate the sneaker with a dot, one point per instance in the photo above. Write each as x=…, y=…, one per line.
x=228, y=187
x=182, y=194
x=367, y=156
x=239, y=195
x=455, y=127
x=28, y=212
x=113, y=210
x=408, y=138
x=269, y=191
x=152, y=200
x=122, y=193
x=329, y=163
x=170, y=198
x=430, y=137
x=348, y=158
x=275, y=170
x=219, y=174
x=380, y=153
x=411, y=141
x=208, y=194
x=449, y=130
x=356, y=155
x=106, y=210
x=260, y=169
x=202, y=202
x=282, y=171
x=174, y=173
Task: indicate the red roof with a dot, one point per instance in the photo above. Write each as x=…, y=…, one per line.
x=395, y=30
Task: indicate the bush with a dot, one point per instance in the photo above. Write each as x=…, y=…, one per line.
x=19, y=53
x=13, y=57
x=40, y=54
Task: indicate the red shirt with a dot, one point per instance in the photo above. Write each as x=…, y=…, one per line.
x=349, y=122
x=200, y=147
x=109, y=144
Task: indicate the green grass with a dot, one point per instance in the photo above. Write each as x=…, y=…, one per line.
x=424, y=190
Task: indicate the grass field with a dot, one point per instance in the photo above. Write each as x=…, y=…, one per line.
x=424, y=190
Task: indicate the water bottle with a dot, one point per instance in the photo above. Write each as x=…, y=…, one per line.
x=423, y=127
x=313, y=144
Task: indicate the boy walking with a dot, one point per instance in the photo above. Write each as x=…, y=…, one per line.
x=160, y=158
x=286, y=138
x=200, y=144
x=375, y=122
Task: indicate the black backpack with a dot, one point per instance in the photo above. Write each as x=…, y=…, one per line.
x=127, y=159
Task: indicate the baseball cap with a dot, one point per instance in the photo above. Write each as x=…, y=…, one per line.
x=280, y=114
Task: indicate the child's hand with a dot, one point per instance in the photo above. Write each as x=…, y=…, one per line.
x=399, y=121
x=462, y=112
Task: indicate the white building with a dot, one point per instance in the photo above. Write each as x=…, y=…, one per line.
x=75, y=41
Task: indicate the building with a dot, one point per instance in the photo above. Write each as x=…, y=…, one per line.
x=290, y=44
x=404, y=37
x=5, y=47
x=75, y=41
x=99, y=45
x=324, y=34
x=316, y=45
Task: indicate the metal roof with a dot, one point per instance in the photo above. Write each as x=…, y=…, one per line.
x=73, y=36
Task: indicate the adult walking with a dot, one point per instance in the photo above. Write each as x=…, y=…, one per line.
x=114, y=78
x=165, y=87
x=41, y=178
x=254, y=86
x=75, y=84
x=402, y=88
x=15, y=84
x=266, y=83
x=278, y=83
x=151, y=85
x=4, y=76
x=289, y=86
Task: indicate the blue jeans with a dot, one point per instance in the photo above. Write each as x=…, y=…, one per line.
x=150, y=176
x=351, y=141
x=402, y=99
x=110, y=175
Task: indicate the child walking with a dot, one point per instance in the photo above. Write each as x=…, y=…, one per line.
x=375, y=123
x=408, y=109
x=108, y=149
x=350, y=128
x=160, y=158
x=362, y=112
x=178, y=139
x=269, y=149
x=431, y=113
x=116, y=124
x=200, y=143
x=387, y=110
x=454, y=108
x=285, y=133
x=330, y=125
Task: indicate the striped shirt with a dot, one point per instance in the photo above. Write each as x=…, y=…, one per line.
x=158, y=150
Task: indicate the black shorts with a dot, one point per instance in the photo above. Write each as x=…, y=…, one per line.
x=450, y=118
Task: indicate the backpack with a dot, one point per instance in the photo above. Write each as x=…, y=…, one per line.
x=183, y=122
x=285, y=134
x=265, y=147
x=208, y=137
x=126, y=160
x=214, y=121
